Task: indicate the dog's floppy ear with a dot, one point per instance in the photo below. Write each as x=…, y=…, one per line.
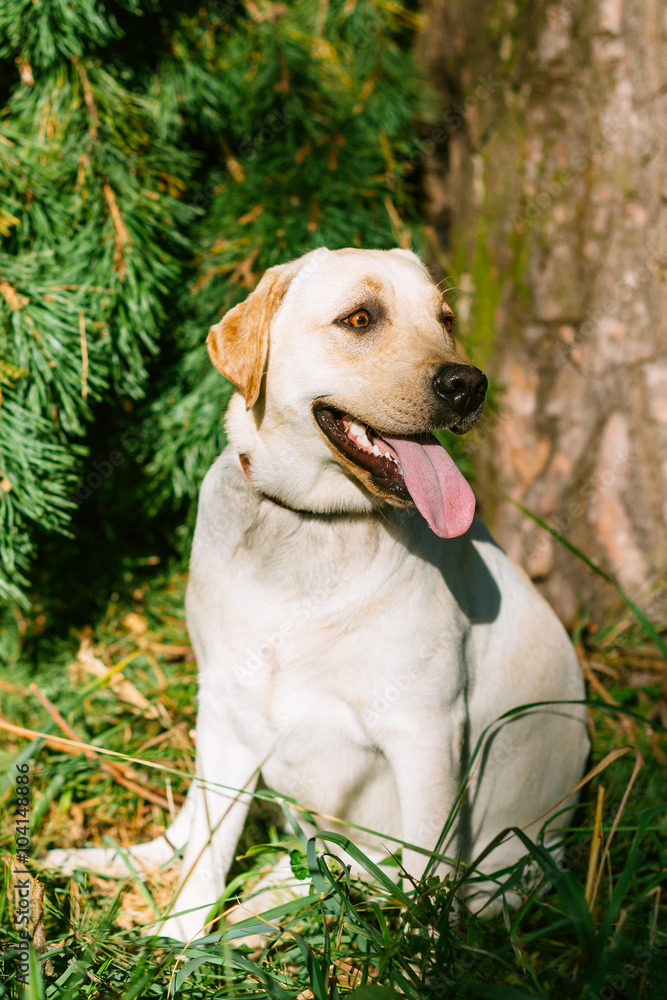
x=239, y=344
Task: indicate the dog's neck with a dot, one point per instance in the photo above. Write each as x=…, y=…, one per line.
x=244, y=462
x=245, y=465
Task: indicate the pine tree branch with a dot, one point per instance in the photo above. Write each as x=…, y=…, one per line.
x=93, y=127
x=121, y=236
x=14, y=300
x=84, y=356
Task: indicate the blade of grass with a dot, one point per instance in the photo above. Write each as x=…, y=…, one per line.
x=265, y=922
x=132, y=871
x=193, y=964
x=314, y=970
x=566, y=885
x=35, y=987
x=275, y=991
x=362, y=926
x=374, y=992
x=568, y=888
x=639, y=763
x=371, y=868
x=596, y=840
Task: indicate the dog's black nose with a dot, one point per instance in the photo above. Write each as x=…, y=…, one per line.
x=462, y=386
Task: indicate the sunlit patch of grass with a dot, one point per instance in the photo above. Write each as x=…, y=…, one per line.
x=600, y=931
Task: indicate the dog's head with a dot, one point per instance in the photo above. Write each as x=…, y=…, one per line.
x=346, y=362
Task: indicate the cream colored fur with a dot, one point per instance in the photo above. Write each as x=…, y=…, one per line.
x=344, y=650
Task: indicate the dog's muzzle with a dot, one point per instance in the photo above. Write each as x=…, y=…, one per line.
x=461, y=387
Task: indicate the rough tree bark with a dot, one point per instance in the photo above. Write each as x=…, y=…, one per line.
x=546, y=178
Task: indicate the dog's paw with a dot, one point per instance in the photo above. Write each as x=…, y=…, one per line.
x=115, y=862
x=102, y=860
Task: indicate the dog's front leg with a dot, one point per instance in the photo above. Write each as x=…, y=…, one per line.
x=227, y=773
x=424, y=751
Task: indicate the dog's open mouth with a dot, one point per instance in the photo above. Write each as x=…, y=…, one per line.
x=408, y=469
x=364, y=447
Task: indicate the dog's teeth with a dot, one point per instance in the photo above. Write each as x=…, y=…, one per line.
x=376, y=451
x=358, y=434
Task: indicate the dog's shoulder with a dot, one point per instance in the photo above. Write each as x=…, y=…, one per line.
x=226, y=505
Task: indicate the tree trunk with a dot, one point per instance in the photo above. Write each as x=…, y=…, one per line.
x=546, y=179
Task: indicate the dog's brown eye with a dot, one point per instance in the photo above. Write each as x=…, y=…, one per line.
x=449, y=323
x=358, y=319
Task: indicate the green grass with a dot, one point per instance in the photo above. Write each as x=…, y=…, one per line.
x=599, y=931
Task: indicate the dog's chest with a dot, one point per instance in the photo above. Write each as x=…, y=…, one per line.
x=312, y=631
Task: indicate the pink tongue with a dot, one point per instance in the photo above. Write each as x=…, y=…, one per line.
x=438, y=489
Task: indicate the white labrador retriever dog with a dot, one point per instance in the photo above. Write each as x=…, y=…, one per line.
x=352, y=648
